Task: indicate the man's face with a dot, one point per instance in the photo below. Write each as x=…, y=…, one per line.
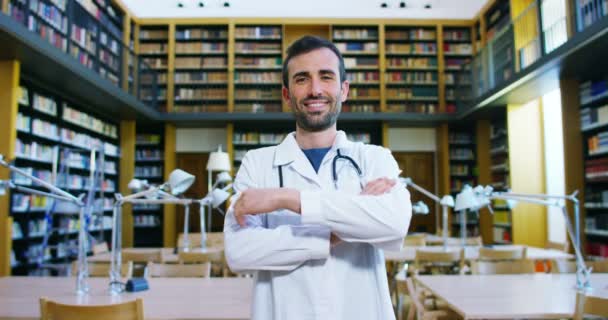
x=315, y=92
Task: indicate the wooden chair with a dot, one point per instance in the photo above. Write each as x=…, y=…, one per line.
x=102, y=269
x=502, y=253
x=568, y=266
x=214, y=239
x=164, y=270
x=470, y=241
x=132, y=310
x=142, y=257
x=101, y=247
x=418, y=302
x=590, y=305
x=200, y=257
x=439, y=259
x=503, y=267
x=415, y=241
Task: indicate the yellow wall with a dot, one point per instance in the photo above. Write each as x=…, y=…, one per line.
x=127, y=172
x=169, y=232
x=527, y=171
x=9, y=93
x=525, y=27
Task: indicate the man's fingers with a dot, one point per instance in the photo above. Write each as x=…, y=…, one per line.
x=378, y=186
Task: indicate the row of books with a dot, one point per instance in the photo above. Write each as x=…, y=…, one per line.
x=364, y=108
x=457, y=48
x=413, y=107
x=197, y=47
x=257, y=138
x=460, y=138
x=200, y=107
x=200, y=77
x=412, y=62
x=258, y=77
x=460, y=170
x=154, y=34
x=200, y=93
x=148, y=154
x=355, y=34
x=346, y=47
x=411, y=48
x=257, y=94
x=411, y=34
x=364, y=93
x=597, y=143
x=461, y=154
x=597, y=249
x=412, y=92
x=596, y=169
x=253, y=47
x=354, y=62
x=258, y=62
x=194, y=63
x=187, y=34
x=258, y=32
x=363, y=76
x=592, y=11
x=153, y=48
x=596, y=198
x=257, y=107
x=593, y=116
x=149, y=171
x=593, y=90
x=412, y=77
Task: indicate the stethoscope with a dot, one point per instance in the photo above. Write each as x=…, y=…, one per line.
x=334, y=172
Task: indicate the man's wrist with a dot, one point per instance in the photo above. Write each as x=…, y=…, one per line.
x=290, y=199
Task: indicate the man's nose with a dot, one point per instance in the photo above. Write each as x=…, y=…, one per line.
x=316, y=87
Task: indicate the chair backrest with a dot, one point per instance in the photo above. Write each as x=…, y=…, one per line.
x=436, y=257
x=132, y=310
x=470, y=241
x=568, y=266
x=503, y=267
x=503, y=253
x=558, y=246
x=214, y=239
x=142, y=256
x=414, y=241
x=200, y=257
x=101, y=247
x=102, y=269
x=166, y=270
x=590, y=305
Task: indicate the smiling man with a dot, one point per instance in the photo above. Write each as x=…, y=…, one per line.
x=311, y=216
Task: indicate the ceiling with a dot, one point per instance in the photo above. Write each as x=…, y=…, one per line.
x=414, y=9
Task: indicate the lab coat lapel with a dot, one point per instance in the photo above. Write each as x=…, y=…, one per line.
x=289, y=154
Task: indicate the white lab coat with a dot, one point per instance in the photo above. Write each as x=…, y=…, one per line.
x=298, y=277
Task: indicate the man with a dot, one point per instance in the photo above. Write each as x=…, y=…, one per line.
x=312, y=215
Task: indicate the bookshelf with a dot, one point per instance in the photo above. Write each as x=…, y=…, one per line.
x=589, y=12
x=201, y=69
x=359, y=46
x=463, y=170
x=258, y=63
x=149, y=165
x=47, y=127
x=153, y=44
x=46, y=19
x=500, y=180
x=246, y=137
x=500, y=39
x=457, y=53
x=411, y=69
x=594, y=129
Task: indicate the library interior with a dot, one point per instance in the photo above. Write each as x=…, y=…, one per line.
x=152, y=150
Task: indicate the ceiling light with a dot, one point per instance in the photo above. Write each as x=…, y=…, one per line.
x=427, y=6
x=402, y=4
x=201, y=4
x=383, y=5
x=180, y=4
x=226, y=4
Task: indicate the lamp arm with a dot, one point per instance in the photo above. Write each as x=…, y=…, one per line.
x=159, y=201
x=41, y=182
x=142, y=193
x=536, y=200
x=408, y=182
x=571, y=197
x=42, y=193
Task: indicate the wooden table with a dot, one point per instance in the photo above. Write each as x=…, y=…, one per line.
x=541, y=295
x=167, y=298
x=168, y=254
x=408, y=253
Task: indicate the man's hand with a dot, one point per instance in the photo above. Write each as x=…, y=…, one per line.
x=260, y=201
x=334, y=240
x=378, y=186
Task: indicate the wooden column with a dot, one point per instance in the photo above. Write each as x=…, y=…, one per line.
x=574, y=162
x=127, y=172
x=171, y=68
x=9, y=95
x=527, y=171
x=443, y=164
x=441, y=74
x=482, y=136
x=169, y=225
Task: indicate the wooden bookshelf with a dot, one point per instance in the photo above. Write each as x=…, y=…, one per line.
x=463, y=171
x=153, y=50
x=201, y=68
x=457, y=55
x=149, y=166
x=411, y=69
x=258, y=63
x=51, y=129
x=500, y=180
x=359, y=46
x=593, y=110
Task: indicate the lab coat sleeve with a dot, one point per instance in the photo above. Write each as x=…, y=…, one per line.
x=379, y=220
x=255, y=247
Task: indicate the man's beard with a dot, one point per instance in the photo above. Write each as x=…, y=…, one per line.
x=306, y=121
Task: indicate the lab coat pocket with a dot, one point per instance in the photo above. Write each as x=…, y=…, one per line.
x=283, y=217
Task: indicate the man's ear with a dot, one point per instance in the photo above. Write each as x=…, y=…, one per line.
x=344, y=93
x=285, y=93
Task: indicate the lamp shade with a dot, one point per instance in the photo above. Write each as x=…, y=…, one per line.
x=481, y=196
x=420, y=208
x=447, y=201
x=180, y=181
x=218, y=196
x=137, y=184
x=218, y=161
x=466, y=199
x=223, y=177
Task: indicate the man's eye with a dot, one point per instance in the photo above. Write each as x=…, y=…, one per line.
x=300, y=80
